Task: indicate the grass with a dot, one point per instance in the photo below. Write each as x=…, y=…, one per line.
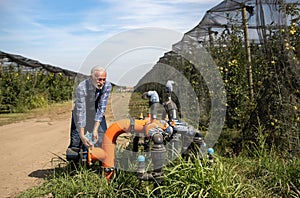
x=266, y=176
x=259, y=171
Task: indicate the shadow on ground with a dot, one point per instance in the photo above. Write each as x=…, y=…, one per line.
x=42, y=173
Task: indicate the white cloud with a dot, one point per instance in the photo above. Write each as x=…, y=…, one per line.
x=189, y=1
x=147, y=13
x=65, y=38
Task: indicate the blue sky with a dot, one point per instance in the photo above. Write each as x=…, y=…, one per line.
x=64, y=32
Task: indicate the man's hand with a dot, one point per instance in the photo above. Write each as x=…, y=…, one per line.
x=95, y=131
x=86, y=143
x=95, y=136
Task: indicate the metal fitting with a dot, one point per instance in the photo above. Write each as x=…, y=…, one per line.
x=108, y=170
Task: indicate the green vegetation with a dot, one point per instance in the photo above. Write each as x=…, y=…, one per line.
x=257, y=154
x=138, y=106
x=260, y=170
x=25, y=90
x=275, y=70
x=263, y=174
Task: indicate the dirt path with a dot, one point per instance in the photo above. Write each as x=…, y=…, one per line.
x=27, y=147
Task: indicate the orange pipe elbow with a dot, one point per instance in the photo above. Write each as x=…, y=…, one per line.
x=111, y=134
x=96, y=154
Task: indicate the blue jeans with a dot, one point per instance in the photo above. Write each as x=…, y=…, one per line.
x=75, y=141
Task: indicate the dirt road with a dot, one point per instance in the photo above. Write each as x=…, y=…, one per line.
x=27, y=147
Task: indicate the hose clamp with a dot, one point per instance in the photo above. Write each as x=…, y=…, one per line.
x=132, y=125
x=108, y=170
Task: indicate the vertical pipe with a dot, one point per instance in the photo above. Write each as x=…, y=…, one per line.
x=248, y=54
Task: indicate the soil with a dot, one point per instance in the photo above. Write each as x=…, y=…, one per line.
x=30, y=148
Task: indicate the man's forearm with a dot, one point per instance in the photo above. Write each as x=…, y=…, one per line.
x=81, y=133
x=96, y=126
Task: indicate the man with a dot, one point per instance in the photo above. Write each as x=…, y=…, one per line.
x=90, y=104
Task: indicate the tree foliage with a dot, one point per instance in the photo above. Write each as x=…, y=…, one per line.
x=24, y=90
x=276, y=73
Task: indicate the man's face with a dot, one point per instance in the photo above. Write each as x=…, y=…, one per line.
x=99, y=79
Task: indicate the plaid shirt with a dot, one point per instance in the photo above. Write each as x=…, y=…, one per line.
x=85, y=108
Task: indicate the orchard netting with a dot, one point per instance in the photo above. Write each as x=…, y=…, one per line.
x=256, y=47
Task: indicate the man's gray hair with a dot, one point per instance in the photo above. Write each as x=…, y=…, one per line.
x=98, y=68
